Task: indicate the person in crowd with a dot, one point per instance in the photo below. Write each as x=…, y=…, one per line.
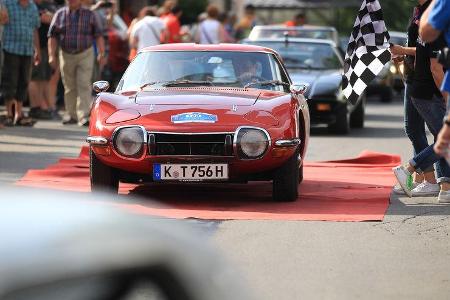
x=299, y=20
x=173, y=25
x=210, y=31
x=74, y=29
x=142, y=13
x=429, y=102
x=148, y=31
x=105, y=10
x=227, y=23
x=434, y=22
x=42, y=102
x=20, y=46
x=424, y=184
x=166, y=8
x=247, y=22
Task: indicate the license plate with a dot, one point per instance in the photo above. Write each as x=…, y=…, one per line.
x=190, y=172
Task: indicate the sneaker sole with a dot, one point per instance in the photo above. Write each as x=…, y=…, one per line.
x=425, y=194
x=404, y=187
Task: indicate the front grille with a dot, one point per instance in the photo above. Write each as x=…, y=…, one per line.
x=214, y=144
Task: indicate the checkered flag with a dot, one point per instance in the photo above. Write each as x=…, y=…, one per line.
x=367, y=51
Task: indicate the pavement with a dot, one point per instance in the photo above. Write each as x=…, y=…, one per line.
x=407, y=256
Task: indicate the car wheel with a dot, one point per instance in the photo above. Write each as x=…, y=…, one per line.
x=300, y=174
x=103, y=178
x=386, y=94
x=357, y=116
x=342, y=124
x=286, y=180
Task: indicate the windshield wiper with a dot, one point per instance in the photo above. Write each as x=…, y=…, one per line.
x=150, y=84
x=194, y=82
x=268, y=82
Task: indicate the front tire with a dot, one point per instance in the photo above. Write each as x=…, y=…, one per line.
x=286, y=180
x=357, y=116
x=342, y=124
x=103, y=178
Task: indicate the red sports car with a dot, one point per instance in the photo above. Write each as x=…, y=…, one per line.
x=201, y=113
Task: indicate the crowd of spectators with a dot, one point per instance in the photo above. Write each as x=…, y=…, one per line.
x=54, y=49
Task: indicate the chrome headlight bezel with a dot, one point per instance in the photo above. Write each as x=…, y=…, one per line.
x=140, y=152
x=241, y=152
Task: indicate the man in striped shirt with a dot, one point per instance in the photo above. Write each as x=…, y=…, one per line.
x=74, y=29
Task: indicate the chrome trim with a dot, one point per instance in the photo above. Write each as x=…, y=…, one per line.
x=190, y=133
x=145, y=142
x=100, y=86
x=97, y=140
x=250, y=127
x=288, y=143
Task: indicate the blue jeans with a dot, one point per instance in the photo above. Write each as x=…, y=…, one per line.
x=415, y=126
x=432, y=111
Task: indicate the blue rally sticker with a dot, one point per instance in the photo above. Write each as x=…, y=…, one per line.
x=157, y=172
x=192, y=117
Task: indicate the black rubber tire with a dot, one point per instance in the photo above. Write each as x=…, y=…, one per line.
x=104, y=179
x=357, y=115
x=342, y=124
x=286, y=180
x=386, y=94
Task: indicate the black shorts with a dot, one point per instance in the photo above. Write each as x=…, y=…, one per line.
x=16, y=75
x=42, y=72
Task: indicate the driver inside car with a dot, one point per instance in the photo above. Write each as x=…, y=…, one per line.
x=249, y=71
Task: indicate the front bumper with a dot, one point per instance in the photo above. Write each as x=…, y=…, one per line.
x=324, y=111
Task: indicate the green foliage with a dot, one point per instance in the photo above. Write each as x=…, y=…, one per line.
x=191, y=9
x=397, y=14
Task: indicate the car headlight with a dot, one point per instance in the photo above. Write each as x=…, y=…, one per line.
x=251, y=142
x=393, y=69
x=130, y=141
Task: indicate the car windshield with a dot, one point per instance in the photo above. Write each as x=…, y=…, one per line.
x=276, y=33
x=305, y=55
x=202, y=68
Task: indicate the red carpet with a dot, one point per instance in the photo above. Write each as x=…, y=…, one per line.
x=356, y=189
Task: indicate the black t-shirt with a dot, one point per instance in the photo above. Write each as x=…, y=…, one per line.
x=423, y=84
x=413, y=34
x=43, y=7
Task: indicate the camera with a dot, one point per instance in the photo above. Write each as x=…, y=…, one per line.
x=443, y=57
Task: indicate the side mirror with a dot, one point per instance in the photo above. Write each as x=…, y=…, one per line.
x=100, y=86
x=299, y=89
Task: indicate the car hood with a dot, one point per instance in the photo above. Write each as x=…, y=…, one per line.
x=321, y=82
x=203, y=96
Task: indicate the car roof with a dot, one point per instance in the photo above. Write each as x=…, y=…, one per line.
x=206, y=47
x=293, y=40
x=293, y=28
x=398, y=34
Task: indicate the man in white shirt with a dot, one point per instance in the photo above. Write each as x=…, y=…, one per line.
x=148, y=31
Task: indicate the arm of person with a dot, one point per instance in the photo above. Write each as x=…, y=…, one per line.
x=437, y=71
x=101, y=50
x=4, y=17
x=222, y=35
x=37, y=47
x=52, y=49
x=426, y=31
x=443, y=139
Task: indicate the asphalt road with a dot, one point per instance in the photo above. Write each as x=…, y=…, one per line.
x=407, y=256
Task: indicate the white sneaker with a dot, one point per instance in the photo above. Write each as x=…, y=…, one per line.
x=426, y=189
x=397, y=189
x=444, y=197
x=402, y=174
